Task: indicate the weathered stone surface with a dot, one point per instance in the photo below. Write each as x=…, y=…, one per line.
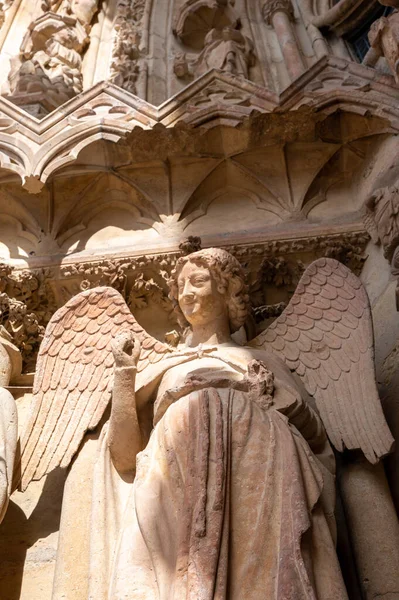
x=204, y=404
x=10, y=365
x=249, y=124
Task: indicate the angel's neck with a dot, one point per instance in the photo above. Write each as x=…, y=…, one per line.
x=212, y=333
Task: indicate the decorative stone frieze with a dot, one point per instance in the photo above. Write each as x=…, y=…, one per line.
x=127, y=70
x=27, y=146
x=28, y=299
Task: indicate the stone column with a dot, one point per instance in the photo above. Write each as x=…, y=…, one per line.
x=280, y=15
x=373, y=526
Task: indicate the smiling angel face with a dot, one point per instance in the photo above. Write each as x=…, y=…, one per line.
x=198, y=295
x=206, y=285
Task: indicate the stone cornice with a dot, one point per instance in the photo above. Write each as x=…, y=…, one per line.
x=309, y=240
x=33, y=149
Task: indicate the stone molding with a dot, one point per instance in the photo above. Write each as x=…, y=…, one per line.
x=33, y=149
x=344, y=16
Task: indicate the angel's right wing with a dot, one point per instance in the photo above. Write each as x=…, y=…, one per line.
x=326, y=335
x=74, y=377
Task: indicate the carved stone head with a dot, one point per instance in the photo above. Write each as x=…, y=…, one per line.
x=206, y=283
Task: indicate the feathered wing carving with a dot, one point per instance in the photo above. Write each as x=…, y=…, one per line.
x=325, y=334
x=74, y=376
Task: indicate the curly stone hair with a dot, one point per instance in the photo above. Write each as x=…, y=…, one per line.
x=230, y=280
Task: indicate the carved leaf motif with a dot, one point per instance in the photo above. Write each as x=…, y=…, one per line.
x=337, y=367
x=73, y=382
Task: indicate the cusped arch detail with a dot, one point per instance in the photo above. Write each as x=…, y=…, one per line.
x=66, y=148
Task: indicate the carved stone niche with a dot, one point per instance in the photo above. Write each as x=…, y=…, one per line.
x=212, y=28
x=384, y=38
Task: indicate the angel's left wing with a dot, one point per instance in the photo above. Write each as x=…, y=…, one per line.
x=325, y=334
x=74, y=378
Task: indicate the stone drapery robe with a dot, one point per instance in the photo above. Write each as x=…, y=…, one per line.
x=228, y=502
x=8, y=446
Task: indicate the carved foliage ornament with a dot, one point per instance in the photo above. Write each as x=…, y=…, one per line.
x=126, y=66
x=382, y=218
x=26, y=306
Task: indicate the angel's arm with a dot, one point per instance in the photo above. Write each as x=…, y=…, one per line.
x=125, y=438
x=296, y=406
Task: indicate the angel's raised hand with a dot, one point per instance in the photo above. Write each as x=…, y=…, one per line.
x=126, y=349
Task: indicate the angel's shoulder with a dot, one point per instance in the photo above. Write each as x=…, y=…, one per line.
x=245, y=354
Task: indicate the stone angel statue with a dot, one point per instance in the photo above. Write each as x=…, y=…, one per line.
x=204, y=471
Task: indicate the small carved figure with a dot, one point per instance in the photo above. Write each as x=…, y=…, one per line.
x=384, y=37
x=182, y=67
x=211, y=476
x=225, y=49
x=50, y=60
x=228, y=50
x=55, y=70
x=10, y=363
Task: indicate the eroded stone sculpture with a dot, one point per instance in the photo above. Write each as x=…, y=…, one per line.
x=211, y=476
x=48, y=71
x=10, y=363
x=384, y=37
x=228, y=50
x=216, y=31
x=381, y=219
